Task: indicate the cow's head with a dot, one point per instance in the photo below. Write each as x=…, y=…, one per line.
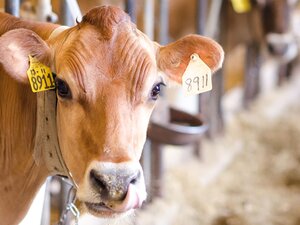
x=109, y=75
x=276, y=18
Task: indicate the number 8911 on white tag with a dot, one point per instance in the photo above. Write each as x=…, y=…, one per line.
x=197, y=76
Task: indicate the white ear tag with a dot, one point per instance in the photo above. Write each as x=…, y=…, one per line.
x=197, y=76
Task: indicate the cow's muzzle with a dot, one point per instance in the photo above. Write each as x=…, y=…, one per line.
x=117, y=187
x=282, y=46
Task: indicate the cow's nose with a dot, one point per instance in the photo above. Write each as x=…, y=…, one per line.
x=277, y=49
x=113, y=186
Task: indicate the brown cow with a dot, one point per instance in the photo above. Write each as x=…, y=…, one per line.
x=93, y=129
x=265, y=26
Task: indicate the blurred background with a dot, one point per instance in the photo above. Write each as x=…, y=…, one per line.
x=227, y=157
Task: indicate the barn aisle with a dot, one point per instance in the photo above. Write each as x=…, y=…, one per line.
x=260, y=185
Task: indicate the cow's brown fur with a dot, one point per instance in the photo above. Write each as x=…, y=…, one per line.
x=17, y=125
x=110, y=68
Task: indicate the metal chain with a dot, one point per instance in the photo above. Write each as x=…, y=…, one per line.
x=70, y=206
x=73, y=209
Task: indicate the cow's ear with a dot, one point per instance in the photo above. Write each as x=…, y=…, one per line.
x=173, y=58
x=15, y=48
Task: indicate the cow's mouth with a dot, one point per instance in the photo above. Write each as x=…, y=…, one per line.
x=133, y=200
x=101, y=209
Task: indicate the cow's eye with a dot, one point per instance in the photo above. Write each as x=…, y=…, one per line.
x=156, y=90
x=63, y=89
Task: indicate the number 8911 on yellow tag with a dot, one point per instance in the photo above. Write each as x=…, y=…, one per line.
x=40, y=76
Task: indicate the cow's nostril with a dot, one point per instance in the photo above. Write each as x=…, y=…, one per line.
x=271, y=48
x=277, y=49
x=112, y=186
x=97, y=180
x=135, y=178
x=133, y=181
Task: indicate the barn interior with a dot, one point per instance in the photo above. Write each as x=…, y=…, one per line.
x=230, y=156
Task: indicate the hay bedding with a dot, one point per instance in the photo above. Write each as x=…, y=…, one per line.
x=261, y=185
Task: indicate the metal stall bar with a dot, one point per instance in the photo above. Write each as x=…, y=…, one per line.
x=44, y=11
x=201, y=6
x=201, y=16
x=213, y=18
x=164, y=22
x=66, y=17
x=156, y=159
x=70, y=11
x=74, y=10
x=212, y=111
x=130, y=8
x=149, y=31
x=149, y=18
x=157, y=169
x=12, y=7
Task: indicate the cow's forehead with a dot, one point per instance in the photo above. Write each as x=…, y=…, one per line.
x=95, y=55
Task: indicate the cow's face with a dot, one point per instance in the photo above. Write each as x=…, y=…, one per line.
x=106, y=89
x=276, y=17
x=109, y=76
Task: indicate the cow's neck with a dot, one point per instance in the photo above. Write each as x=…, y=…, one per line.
x=20, y=177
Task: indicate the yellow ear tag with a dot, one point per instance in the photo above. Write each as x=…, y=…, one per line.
x=241, y=6
x=197, y=76
x=40, y=76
